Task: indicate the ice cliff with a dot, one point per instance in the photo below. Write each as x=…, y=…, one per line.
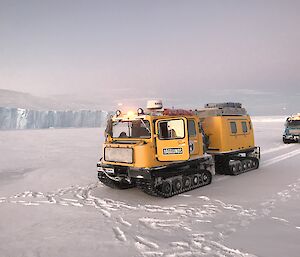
x=17, y=118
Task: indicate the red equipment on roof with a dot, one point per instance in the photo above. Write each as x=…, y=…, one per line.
x=177, y=112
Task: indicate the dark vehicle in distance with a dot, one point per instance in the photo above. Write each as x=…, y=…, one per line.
x=291, y=132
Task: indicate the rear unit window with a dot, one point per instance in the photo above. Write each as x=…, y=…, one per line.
x=233, y=127
x=244, y=127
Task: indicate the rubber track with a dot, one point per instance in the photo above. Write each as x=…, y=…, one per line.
x=149, y=188
x=238, y=158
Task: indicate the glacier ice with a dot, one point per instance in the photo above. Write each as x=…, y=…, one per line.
x=17, y=118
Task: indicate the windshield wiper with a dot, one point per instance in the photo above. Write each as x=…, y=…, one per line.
x=145, y=126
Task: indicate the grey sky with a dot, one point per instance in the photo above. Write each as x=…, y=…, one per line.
x=186, y=52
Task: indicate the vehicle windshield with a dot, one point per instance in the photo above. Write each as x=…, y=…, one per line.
x=131, y=129
x=293, y=123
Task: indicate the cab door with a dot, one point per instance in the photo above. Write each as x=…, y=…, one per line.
x=172, y=141
x=194, y=142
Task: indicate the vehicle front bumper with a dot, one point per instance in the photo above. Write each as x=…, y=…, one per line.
x=295, y=138
x=116, y=170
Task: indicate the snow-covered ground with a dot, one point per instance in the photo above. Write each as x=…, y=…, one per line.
x=52, y=205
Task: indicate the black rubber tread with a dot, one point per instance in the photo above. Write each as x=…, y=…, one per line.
x=112, y=183
x=209, y=177
x=149, y=188
x=289, y=141
x=229, y=171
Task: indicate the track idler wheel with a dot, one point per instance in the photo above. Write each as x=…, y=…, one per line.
x=255, y=164
x=235, y=169
x=166, y=188
x=177, y=185
x=244, y=166
x=187, y=182
x=206, y=177
x=195, y=180
x=239, y=168
x=249, y=164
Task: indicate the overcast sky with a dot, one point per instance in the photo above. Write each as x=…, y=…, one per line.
x=185, y=52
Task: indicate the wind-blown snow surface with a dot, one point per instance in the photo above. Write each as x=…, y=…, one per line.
x=52, y=205
x=266, y=119
x=17, y=118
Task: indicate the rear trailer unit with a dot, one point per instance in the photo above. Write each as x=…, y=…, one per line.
x=230, y=137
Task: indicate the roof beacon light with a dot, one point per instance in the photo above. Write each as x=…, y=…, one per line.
x=118, y=113
x=140, y=111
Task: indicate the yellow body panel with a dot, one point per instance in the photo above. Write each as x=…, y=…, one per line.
x=173, y=149
x=143, y=154
x=196, y=142
x=221, y=136
x=148, y=153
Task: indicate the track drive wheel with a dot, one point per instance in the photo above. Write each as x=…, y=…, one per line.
x=255, y=164
x=285, y=141
x=177, y=185
x=195, y=180
x=166, y=188
x=206, y=177
x=244, y=166
x=186, y=182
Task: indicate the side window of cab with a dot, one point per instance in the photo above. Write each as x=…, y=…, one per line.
x=191, y=128
x=171, y=129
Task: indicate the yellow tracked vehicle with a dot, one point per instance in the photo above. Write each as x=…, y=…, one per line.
x=166, y=151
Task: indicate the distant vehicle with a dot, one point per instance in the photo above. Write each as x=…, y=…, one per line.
x=166, y=152
x=291, y=132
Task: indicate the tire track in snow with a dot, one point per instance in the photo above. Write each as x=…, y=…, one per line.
x=291, y=192
x=265, y=210
x=183, y=213
x=207, y=211
x=199, y=245
x=280, y=219
x=119, y=234
x=124, y=222
x=83, y=197
x=161, y=224
x=280, y=158
x=275, y=149
x=145, y=242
